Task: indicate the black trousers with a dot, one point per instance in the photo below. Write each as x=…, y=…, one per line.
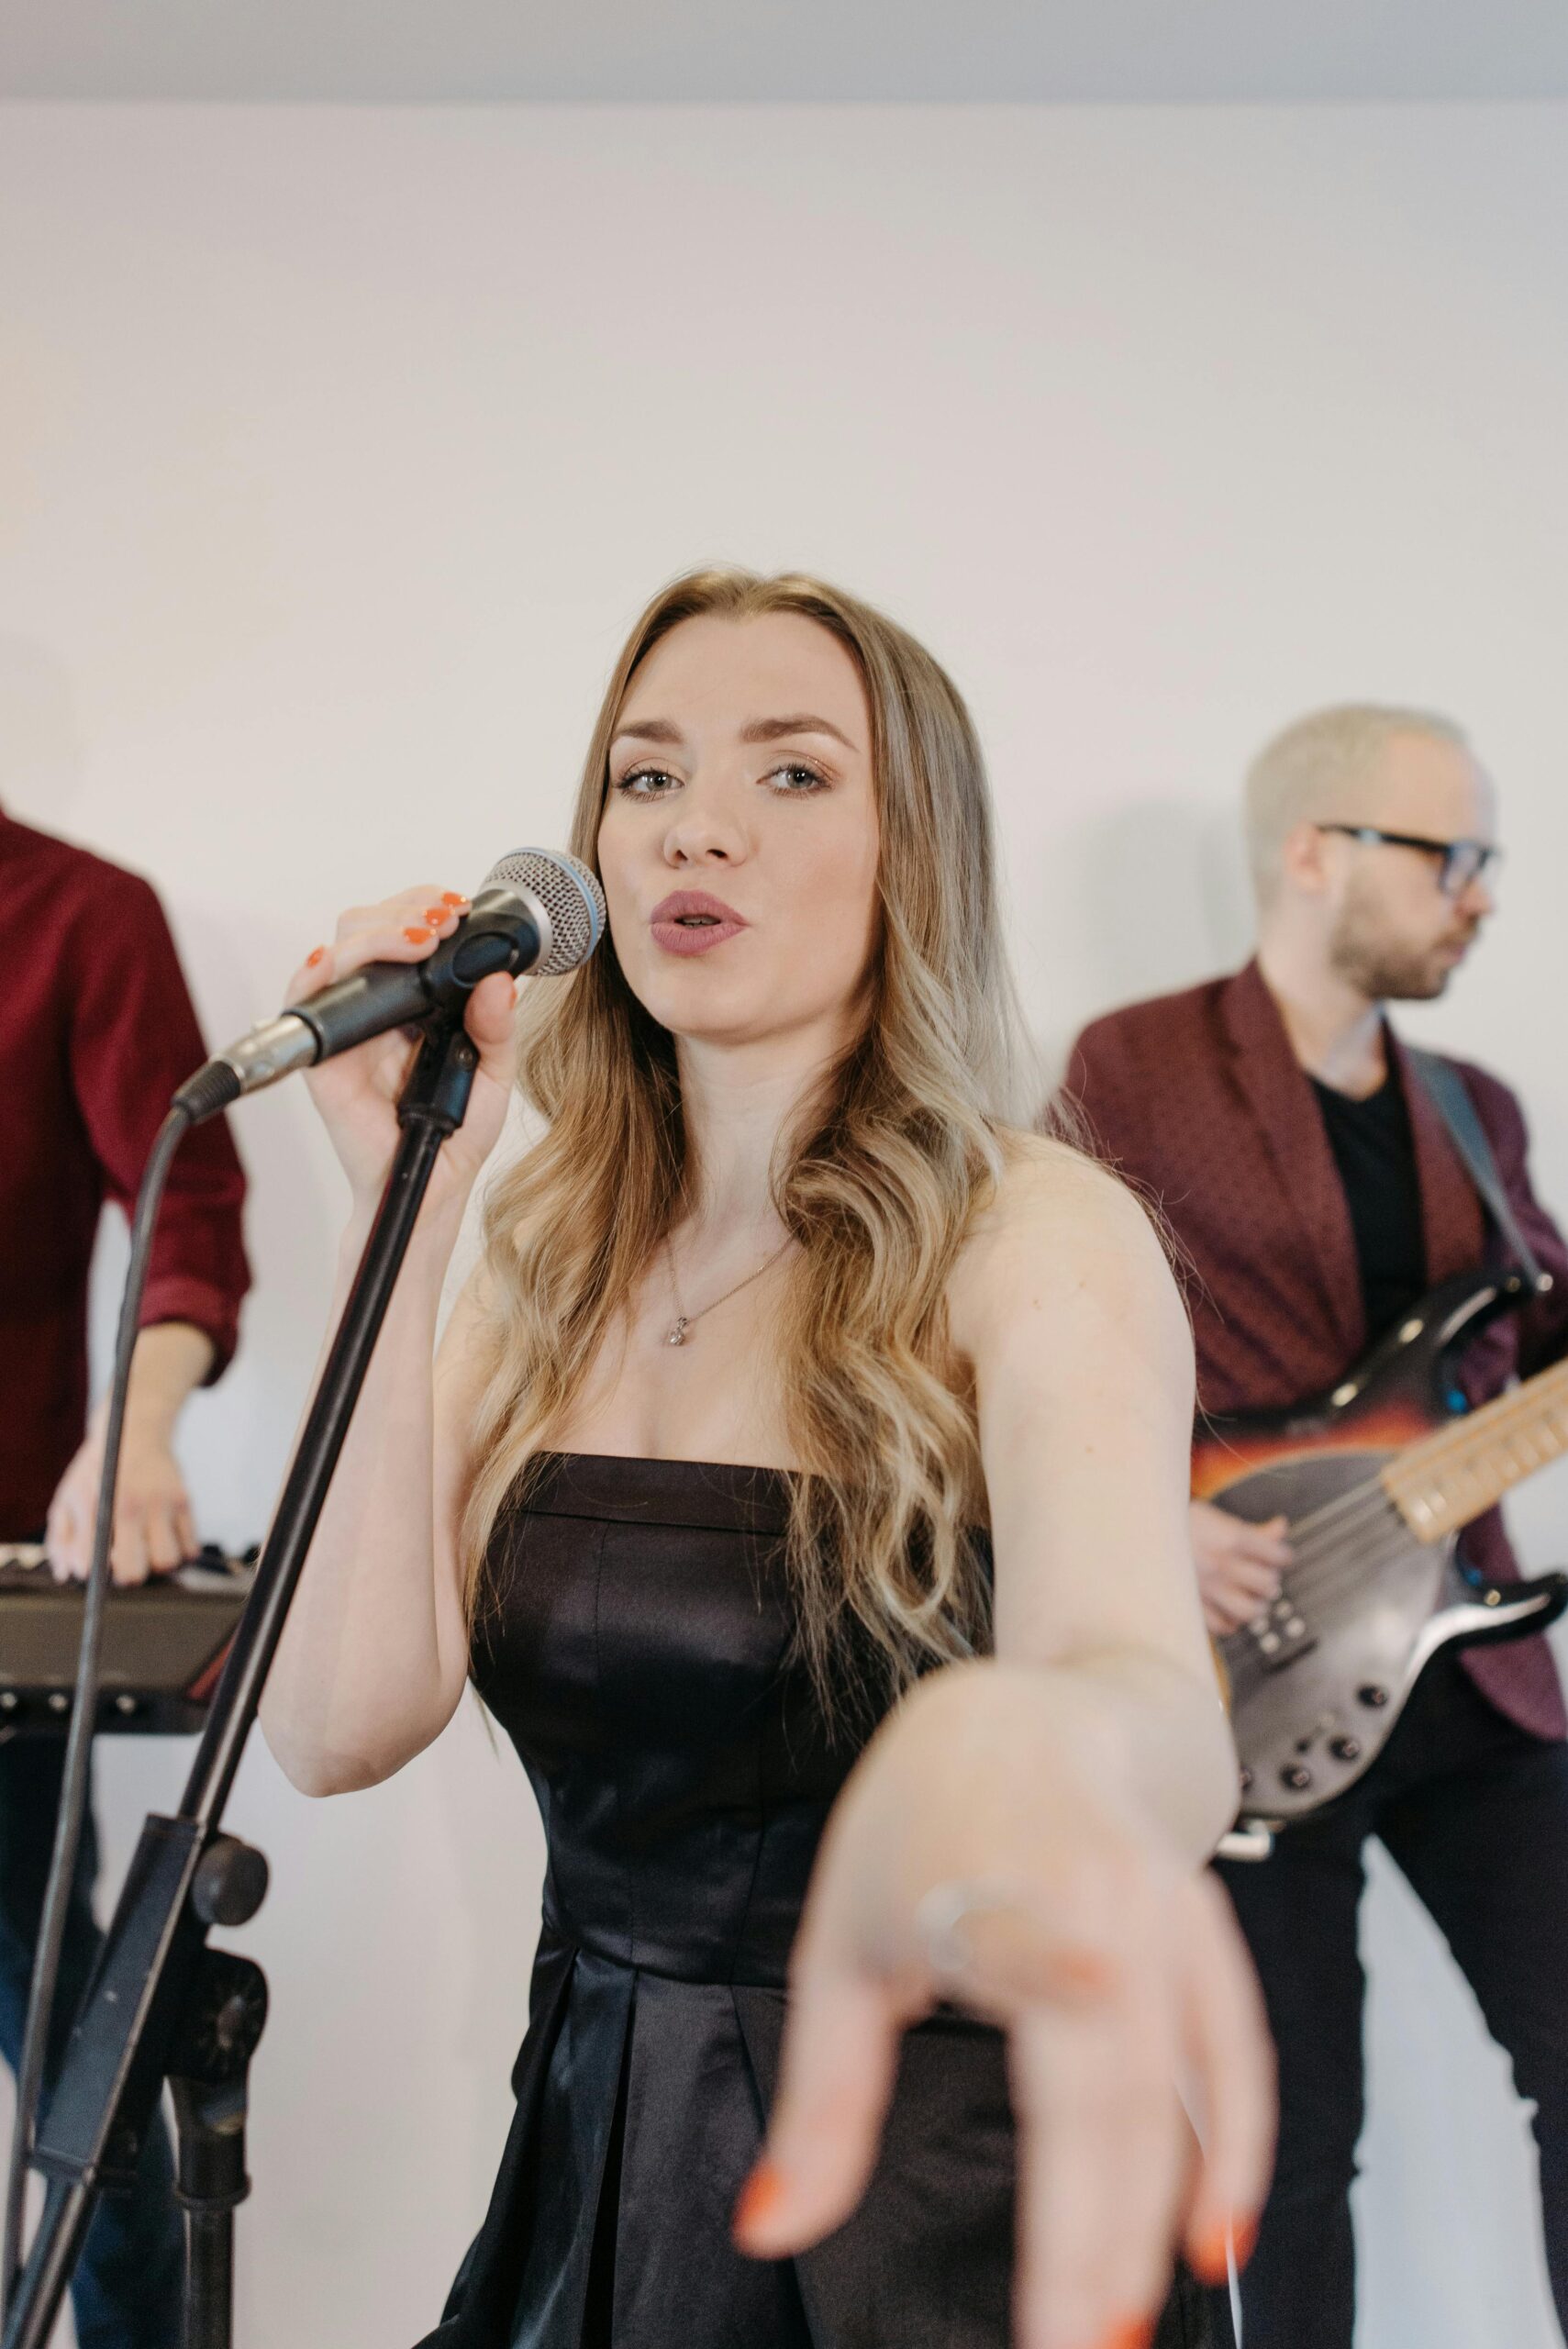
x=1475, y=1812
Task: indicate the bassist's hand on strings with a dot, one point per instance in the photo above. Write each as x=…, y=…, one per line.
x=1239, y=1566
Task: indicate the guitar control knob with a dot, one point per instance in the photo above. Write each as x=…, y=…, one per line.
x=1345, y=1749
x=1296, y=1777
x=1373, y=1697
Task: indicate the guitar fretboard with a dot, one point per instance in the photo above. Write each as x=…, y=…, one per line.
x=1450, y=1478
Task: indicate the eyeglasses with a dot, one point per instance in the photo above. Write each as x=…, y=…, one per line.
x=1463, y=862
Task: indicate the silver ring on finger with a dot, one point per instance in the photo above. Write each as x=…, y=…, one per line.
x=944, y=1913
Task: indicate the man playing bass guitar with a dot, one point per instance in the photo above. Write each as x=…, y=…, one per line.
x=1318, y=1188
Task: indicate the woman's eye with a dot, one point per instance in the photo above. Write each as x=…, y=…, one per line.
x=794, y=780
x=645, y=783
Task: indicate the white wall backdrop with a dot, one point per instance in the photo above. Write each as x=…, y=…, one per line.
x=338, y=450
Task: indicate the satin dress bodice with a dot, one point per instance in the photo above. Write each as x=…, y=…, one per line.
x=639, y=1659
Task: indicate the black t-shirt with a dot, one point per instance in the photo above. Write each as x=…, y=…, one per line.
x=1375, y=1153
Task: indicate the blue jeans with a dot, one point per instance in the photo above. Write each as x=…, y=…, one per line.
x=127, y=2290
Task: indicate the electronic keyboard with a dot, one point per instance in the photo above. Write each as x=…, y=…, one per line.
x=164, y=1642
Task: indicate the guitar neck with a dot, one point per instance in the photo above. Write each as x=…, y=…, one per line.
x=1440, y=1482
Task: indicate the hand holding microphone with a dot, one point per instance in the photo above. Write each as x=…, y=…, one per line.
x=357, y=1091
x=391, y=965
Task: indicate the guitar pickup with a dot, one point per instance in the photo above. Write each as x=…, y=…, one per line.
x=1281, y=1633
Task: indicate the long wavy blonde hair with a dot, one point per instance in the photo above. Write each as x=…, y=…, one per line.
x=878, y=1183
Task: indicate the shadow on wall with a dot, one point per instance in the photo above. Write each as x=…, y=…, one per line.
x=41, y=754
x=1160, y=898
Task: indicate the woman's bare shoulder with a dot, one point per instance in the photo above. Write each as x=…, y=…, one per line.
x=1050, y=1189
x=1058, y=1219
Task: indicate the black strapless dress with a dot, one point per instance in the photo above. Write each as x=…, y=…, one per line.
x=639, y=1656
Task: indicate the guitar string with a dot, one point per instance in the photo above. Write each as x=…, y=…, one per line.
x=1388, y=1534
x=1307, y=1574
x=1382, y=1539
x=1369, y=1497
x=1342, y=1502
x=1525, y=1403
x=1247, y=1668
x=1383, y=1546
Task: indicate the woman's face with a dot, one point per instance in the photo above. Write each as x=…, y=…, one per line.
x=739, y=839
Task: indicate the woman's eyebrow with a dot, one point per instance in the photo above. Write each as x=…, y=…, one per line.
x=759, y=729
x=647, y=729
x=771, y=729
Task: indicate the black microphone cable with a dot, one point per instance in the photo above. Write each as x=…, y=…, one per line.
x=84, y=1711
x=565, y=918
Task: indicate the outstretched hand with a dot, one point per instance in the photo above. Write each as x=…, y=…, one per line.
x=972, y=1857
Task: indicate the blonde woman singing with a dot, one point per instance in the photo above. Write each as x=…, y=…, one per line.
x=802, y=1483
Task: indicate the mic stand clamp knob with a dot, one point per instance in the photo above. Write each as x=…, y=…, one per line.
x=230, y=1882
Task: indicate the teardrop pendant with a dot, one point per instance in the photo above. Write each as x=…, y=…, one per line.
x=677, y=1336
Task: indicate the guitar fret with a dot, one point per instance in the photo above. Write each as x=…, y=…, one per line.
x=1453, y=1474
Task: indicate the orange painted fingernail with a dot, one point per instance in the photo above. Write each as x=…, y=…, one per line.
x=1209, y=2255
x=760, y=2198
x=414, y=936
x=436, y=915
x=316, y=954
x=1137, y=2332
x=450, y=898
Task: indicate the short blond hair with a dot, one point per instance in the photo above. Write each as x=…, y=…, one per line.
x=1304, y=775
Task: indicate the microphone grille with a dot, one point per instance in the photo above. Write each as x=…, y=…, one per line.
x=570, y=895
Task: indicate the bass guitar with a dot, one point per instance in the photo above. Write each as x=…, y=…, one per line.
x=1377, y=1480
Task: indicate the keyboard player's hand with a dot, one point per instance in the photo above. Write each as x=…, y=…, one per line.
x=153, y=1530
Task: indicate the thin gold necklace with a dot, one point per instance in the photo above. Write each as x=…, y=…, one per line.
x=683, y=1321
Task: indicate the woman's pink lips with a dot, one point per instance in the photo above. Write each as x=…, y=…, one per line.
x=674, y=928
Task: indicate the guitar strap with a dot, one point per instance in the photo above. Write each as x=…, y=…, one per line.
x=1450, y=1096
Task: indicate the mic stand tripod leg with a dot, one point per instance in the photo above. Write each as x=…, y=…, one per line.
x=210, y=2079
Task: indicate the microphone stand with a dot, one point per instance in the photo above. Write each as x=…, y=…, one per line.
x=161, y=2005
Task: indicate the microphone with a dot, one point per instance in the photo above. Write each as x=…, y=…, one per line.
x=537, y=910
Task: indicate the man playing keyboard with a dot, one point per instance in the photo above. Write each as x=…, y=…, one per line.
x=97, y=1030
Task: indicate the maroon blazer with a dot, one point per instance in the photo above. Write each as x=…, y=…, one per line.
x=1199, y=1101
x=97, y=1030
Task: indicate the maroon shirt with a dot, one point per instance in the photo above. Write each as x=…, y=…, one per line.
x=97, y=1030
x=1199, y=1099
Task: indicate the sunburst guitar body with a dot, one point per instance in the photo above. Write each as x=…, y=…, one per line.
x=1377, y=1480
